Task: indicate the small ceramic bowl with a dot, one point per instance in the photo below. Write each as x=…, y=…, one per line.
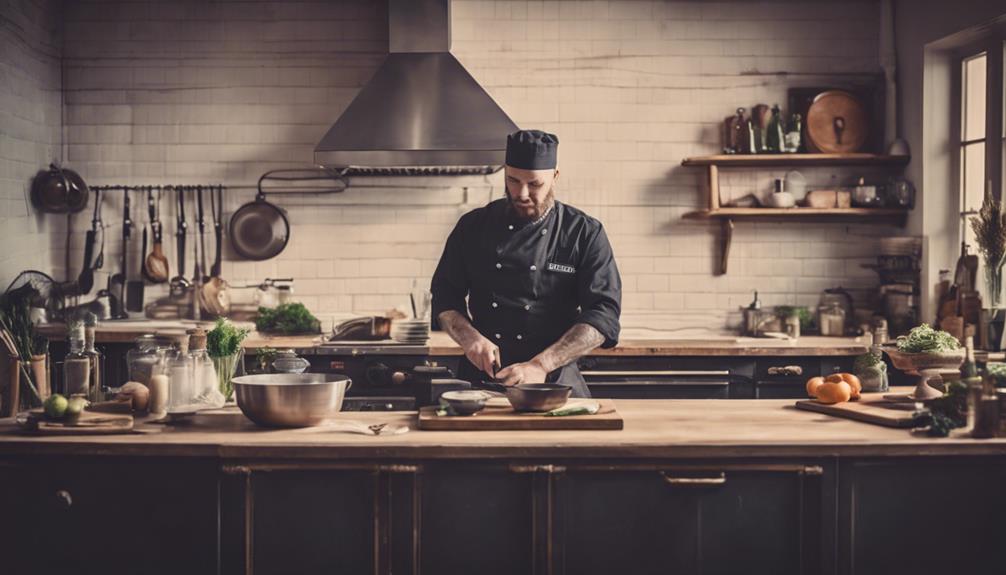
x=464, y=402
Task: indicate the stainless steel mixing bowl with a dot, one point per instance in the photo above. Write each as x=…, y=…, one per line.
x=290, y=399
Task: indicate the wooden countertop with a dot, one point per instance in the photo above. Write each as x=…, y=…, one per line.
x=440, y=344
x=653, y=429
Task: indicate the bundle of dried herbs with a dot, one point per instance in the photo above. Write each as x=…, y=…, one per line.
x=990, y=233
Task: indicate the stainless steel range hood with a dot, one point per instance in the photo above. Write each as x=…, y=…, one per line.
x=422, y=112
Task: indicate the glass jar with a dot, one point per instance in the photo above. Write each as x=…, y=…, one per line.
x=76, y=365
x=831, y=319
x=287, y=362
x=148, y=351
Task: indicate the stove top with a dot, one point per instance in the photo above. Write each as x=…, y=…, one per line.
x=380, y=347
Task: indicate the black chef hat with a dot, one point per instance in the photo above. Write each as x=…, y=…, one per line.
x=532, y=150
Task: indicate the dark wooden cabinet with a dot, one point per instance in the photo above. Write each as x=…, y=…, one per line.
x=829, y=515
x=918, y=516
x=714, y=520
x=477, y=519
x=123, y=517
x=313, y=521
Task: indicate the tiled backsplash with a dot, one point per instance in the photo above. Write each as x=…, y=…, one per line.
x=195, y=92
x=29, y=130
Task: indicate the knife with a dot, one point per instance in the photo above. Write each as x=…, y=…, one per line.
x=86, y=278
x=217, y=209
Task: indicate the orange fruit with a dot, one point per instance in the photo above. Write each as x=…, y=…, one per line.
x=834, y=392
x=834, y=378
x=854, y=383
x=812, y=385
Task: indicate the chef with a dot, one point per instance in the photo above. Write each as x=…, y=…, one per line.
x=539, y=276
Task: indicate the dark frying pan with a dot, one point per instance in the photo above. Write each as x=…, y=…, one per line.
x=259, y=230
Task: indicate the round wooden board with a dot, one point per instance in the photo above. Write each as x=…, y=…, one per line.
x=837, y=123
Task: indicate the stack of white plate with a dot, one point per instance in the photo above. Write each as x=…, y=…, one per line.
x=414, y=331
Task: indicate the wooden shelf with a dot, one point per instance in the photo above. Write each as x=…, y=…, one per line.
x=854, y=214
x=783, y=160
x=727, y=215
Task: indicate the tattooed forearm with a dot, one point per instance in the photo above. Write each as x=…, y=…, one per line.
x=458, y=327
x=577, y=341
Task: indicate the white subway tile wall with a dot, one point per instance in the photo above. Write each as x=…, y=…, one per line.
x=29, y=132
x=196, y=92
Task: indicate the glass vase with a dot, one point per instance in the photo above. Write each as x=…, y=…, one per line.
x=226, y=367
x=994, y=285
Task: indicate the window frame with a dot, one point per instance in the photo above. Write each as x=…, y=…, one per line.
x=993, y=45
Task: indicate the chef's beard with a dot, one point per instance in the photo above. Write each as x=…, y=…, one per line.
x=530, y=213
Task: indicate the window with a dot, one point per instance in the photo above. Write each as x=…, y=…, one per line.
x=972, y=154
x=980, y=133
x=973, y=120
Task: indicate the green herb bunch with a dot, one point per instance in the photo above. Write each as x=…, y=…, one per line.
x=224, y=339
x=997, y=371
x=925, y=339
x=287, y=318
x=990, y=231
x=947, y=412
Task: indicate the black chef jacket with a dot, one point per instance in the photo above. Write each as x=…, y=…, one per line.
x=528, y=283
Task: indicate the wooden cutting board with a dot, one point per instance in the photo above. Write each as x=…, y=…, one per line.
x=871, y=408
x=505, y=418
x=88, y=423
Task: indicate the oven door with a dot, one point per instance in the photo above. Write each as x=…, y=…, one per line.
x=658, y=384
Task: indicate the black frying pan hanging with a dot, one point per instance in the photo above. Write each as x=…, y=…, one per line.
x=259, y=230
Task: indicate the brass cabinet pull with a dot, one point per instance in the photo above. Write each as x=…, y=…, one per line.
x=537, y=468
x=399, y=468
x=64, y=499
x=719, y=479
x=236, y=470
x=786, y=370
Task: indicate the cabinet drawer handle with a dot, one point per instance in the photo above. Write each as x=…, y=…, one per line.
x=537, y=468
x=655, y=373
x=64, y=499
x=719, y=479
x=668, y=383
x=786, y=370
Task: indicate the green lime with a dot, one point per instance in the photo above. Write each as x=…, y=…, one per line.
x=55, y=406
x=76, y=405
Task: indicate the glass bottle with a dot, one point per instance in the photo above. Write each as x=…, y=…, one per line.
x=76, y=364
x=752, y=138
x=179, y=368
x=97, y=359
x=774, y=138
x=794, y=134
x=206, y=386
x=986, y=419
x=970, y=378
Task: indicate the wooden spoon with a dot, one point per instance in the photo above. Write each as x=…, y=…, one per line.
x=156, y=264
